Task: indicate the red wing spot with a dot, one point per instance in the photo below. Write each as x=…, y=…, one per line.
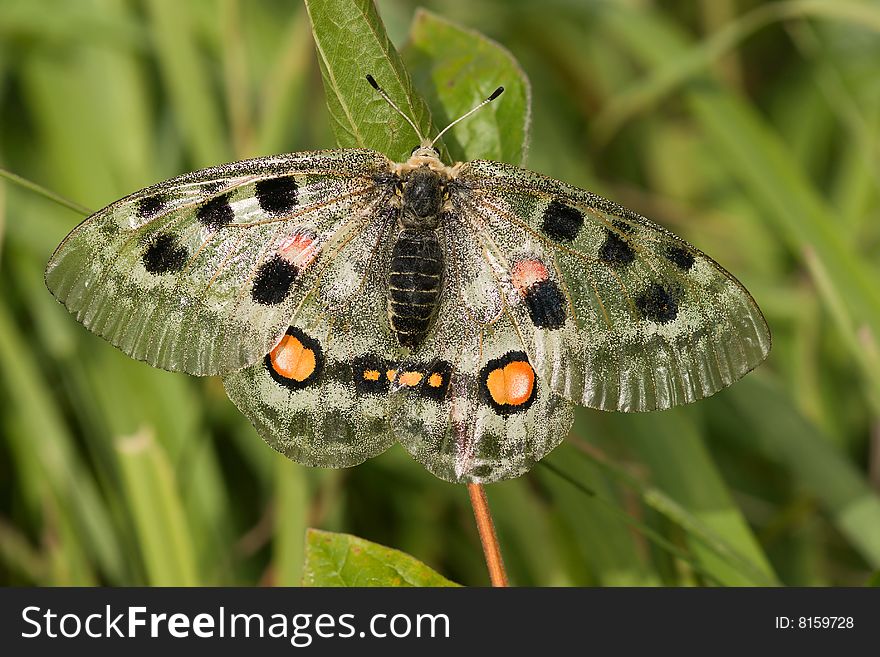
x=508, y=384
x=296, y=361
x=527, y=273
x=299, y=248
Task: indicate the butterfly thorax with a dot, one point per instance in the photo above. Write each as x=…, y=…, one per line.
x=416, y=272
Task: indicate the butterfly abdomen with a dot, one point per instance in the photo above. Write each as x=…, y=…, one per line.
x=416, y=275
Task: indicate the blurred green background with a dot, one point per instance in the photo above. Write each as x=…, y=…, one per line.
x=749, y=128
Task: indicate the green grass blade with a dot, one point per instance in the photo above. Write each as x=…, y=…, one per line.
x=769, y=424
x=291, y=522
x=187, y=80
x=157, y=511
x=42, y=191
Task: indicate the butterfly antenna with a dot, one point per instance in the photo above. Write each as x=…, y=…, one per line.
x=492, y=97
x=388, y=100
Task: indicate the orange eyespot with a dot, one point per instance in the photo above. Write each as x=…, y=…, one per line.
x=512, y=384
x=292, y=360
x=435, y=380
x=391, y=374
x=410, y=379
x=371, y=375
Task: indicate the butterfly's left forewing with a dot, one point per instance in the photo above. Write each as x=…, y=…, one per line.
x=202, y=273
x=615, y=312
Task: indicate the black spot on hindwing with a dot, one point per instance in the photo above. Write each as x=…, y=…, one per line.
x=369, y=374
x=562, y=222
x=277, y=195
x=546, y=304
x=680, y=257
x=273, y=281
x=164, y=255
x=657, y=304
x=216, y=213
x=436, y=381
x=616, y=251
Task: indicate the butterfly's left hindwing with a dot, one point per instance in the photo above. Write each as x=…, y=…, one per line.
x=202, y=273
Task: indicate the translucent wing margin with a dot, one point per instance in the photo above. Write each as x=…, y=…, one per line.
x=614, y=311
x=203, y=272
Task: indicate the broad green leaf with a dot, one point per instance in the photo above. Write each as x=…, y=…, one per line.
x=351, y=42
x=458, y=68
x=344, y=560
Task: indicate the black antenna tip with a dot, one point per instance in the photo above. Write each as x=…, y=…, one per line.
x=372, y=82
x=495, y=94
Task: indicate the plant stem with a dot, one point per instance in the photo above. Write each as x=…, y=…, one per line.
x=488, y=538
x=42, y=191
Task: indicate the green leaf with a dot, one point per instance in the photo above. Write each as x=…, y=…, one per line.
x=351, y=42
x=344, y=560
x=458, y=68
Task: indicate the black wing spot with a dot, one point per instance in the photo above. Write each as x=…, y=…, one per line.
x=657, y=304
x=216, y=213
x=273, y=281
x=562, y=222
x=164, y=255
x=616, y=251
x=680, y=257
x=277, y=195
x=436, y=381
x=546, y=304
x=150, y=206
x=369, y=374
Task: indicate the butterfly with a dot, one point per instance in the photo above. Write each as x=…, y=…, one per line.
x=349, y=301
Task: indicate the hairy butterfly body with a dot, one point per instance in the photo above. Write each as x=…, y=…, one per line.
x=349, y=301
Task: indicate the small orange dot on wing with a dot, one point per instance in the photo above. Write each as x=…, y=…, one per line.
x=435, y=380
x=371, y=375
x=410, y=378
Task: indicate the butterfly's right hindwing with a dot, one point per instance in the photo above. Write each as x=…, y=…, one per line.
x=203, y=272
